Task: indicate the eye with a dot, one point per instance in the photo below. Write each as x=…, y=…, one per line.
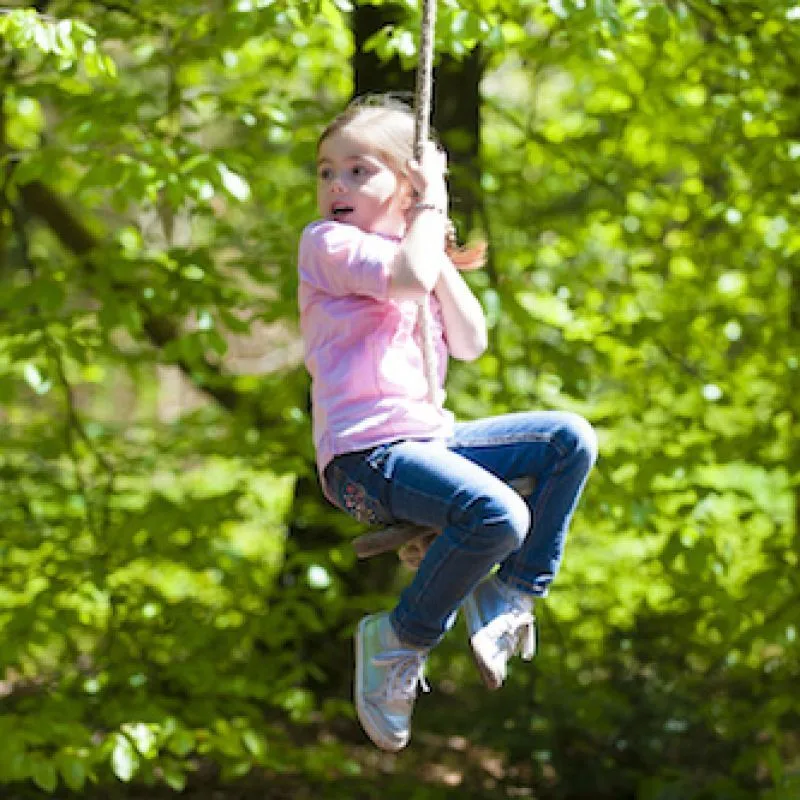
x=325, y=173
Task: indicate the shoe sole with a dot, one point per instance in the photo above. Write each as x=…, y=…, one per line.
x=362, y=712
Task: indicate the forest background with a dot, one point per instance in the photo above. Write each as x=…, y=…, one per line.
x=176, y=598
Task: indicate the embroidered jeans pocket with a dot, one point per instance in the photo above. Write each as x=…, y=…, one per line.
x=354, y=498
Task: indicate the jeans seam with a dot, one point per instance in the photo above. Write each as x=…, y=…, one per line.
x=541, y=500
x=493, y=441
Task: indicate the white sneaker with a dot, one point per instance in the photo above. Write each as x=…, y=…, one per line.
x=500, y=624
x=387, y=675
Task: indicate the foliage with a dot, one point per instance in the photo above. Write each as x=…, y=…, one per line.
x=639, y=171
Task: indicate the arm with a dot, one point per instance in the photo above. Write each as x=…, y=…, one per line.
x=464, y=321
x=421, y=257
x=419, y=262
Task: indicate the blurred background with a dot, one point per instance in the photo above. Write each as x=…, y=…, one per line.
x=177, y=599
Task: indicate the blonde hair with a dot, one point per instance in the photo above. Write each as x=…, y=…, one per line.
x=389, y=124
x=386, y=120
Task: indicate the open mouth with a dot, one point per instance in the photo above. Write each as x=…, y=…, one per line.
x=340, y=211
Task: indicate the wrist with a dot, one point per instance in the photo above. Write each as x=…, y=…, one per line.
x=424, y=205
x=433, y=193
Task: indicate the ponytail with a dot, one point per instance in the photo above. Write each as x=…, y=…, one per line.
x=464, y=257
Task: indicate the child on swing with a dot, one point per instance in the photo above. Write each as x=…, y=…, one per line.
x=386, y=452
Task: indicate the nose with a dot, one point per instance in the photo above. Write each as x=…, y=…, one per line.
x=337, y=184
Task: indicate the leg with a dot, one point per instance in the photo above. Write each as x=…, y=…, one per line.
x=482, y=521
x=481, y=518
x=558, y=450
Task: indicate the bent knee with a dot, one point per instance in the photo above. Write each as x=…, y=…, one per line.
x=500, y=522
x=580, y=438
x=508, y=521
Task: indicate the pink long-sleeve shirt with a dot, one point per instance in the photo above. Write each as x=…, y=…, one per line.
x=362, y=348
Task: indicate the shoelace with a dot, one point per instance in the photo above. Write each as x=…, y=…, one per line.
x=404, y=673
x=518, y=634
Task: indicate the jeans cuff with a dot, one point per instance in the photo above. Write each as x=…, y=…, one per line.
x=408, y=638
x=539, y=588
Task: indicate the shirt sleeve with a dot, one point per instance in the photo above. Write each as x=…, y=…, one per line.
x=342, y=260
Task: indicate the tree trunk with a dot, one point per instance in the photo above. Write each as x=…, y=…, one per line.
x=456, y=102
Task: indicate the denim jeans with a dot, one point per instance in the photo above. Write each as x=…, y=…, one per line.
x=460, y=487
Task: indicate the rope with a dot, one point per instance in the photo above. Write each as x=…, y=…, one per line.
x=422, y=114
x=422, y=100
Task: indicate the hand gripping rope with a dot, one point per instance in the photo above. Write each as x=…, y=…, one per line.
x=410, y=540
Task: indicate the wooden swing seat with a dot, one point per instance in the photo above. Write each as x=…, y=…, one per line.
x=411, y=540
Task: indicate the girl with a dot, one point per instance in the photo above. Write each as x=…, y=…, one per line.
x=386, y=452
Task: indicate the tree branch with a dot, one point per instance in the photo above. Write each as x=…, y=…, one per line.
x=43, y=203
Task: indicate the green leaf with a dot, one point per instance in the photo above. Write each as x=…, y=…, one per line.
x=124, y=760
x=236, y=185
x=174, y=776
x=143, y=736
x=73, y=770
x=43, y=773
x=606, y=10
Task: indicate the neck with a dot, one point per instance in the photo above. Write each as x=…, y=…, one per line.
x=391, y=228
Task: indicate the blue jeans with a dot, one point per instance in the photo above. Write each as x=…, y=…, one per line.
x=460, y=486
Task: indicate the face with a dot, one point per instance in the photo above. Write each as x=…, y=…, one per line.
x=356, y=185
